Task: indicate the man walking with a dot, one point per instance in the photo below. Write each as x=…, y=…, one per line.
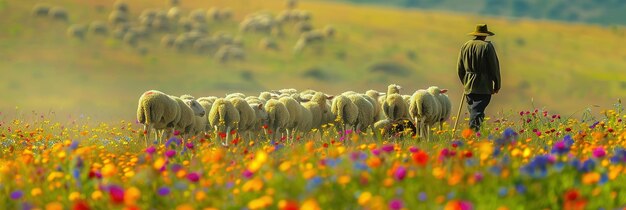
x=479, y=71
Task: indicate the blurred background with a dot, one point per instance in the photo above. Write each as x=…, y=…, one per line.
x=96, y=57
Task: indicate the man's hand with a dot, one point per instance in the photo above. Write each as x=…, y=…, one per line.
x=494, y=92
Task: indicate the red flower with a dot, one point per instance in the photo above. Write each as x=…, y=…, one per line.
x=325, y=145
x=420, y=157
x=81, y=205
x=468, y=154
x=117, y=194
x=222, y=134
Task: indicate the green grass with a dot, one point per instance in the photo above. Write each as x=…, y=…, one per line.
x=566, y=67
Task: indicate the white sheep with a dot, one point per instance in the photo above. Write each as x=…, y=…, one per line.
x=189, y=108
x=372, y=97
x=278, y=117
x=157, y=110
x=318, y=107
x=395, y=108
x=425, y=111
x=346, y=112
x=247, y=118
x=258, y=105
x=365, y=117
x=223, y=117
x=295, y=110
x=444, y=104
x=206, y=103
x=235, y=95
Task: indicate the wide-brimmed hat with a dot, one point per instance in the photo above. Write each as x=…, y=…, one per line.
x=481, y=30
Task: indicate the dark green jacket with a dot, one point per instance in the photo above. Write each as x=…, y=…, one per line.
x=478, y=67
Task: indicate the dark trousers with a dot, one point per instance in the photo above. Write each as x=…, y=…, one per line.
x=476, y=104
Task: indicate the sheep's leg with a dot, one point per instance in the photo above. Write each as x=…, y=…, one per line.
x=227, y=136
x=148, y=130
x=216, y=133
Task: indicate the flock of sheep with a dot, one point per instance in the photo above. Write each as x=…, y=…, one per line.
x=289, y=114
x=193, y=31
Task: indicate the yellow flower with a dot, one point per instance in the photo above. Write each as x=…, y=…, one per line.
x=200, y=195
x=255, y=185
x=591, y=178
x=109, y=170
x=285, y=166
x=343, y=180
x=185, y=207
x=159, y=163
x=54, y=206
x=35, y=192
x=131, y=195
x=310, y=204
x=74, y=196
x=364, y=198
x=96, y=195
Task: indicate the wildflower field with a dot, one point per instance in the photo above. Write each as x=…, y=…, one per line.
x=527, y=160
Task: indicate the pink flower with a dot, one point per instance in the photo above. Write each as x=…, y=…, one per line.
x=388, y=148
x=599, y=152
x=414, y=149
x=395, y=204
x=170, y=153
x=400, y=173
x=193, y=177
x=150, y=150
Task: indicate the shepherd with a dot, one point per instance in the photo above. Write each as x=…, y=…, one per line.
x=479, y=71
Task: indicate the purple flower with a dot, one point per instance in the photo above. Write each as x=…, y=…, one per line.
x=247, y=174
x=163, y=191
x=189, y=145
x=376, y=152
x=74, y=145
x=176, y=167
x=560, y=147
x=17, y=194
x=170, y=153
x=400, y=173
x=466, y=205
x=599, y=152
x=150, y=150
x=193, y=177
x=414, y=149
x=478, y=176
x=395, y=204
x=422, y=196
x=388, y=148
x=594, y=125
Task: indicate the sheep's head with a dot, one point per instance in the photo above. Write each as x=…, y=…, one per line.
x=434, y=90
x=259, y=111
x=393, y=88
x=374, y=94
x=198, y=110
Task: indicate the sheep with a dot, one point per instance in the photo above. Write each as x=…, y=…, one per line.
x=223, y=117
x=303, y=26
x=205, y=45
x=186, y=24
x=372, y=97
x=131, y=38
x=388, y=128
x=58, y=13
x=173, y=14
x=226, y=53
x=307, y=38
x=259, y=111
x=365, y=112
x=304, y=15
x=394, y=106
x=141, y=31
x=444, y=103
x=41, y=10
x=181, y=42
x=247, y=118
x=235, y=95
x=278, y=117
x=189, y=108
x=120, y=6
x=329, y=31
x=258, y=22
x=77, y=30
x=425, y=111
x=294, y=109
x=158, y=111
x=200, y=27
x=346, y=112
x=226, y=14
x=318, y=107
x=98, y=27
x=117, y=17
x=168, y=40
x=268, y=44
x=198, y=15
x=213, y=13
x=292, y=4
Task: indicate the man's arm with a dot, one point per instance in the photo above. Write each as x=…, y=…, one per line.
x=494, y=68
x=460, y=67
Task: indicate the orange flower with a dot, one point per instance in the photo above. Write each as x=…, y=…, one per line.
x=374, y=162
x=467, y=133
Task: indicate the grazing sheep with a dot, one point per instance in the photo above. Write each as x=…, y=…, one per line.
x=292, y=4
x=213, y=13
x=168, y=40
x=173, y=14
x=189, y=108
x=198, y=15
x=444, y=104
x=247, y=118
x=158, y=111
x=186, y=24
x=365, y=110
x=294, y=109
x=181, y=42
x=346, y=112
x=278, y=117
x=131, y=38
x=205, y=45
x=425, y=111
x=258, y=105
x=394, y=129
x=258, y=22
x=223, y=117
x=98, y=27
x=227, y=53
x=58, y=13
x=304, y=15
x=41, y=10
x=268, y=44
x=200, y=27
x=329, y=31
x=77, y=31
x=235, y=95
x=395, y=108
x=393, y=89
x=407, y=98
x=373, y=97
x=121, y=6
x=117, y=17
x=267, y=96
x=318, y=107
x=303, y=26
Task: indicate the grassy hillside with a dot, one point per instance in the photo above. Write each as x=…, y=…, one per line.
x=603, y=12
x=564, y=67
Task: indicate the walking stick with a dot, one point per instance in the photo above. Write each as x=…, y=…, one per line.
x=458, y=115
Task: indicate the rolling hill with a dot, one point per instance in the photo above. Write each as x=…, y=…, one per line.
x=561, y=66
